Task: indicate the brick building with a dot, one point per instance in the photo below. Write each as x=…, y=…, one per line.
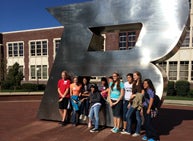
x=34, y=50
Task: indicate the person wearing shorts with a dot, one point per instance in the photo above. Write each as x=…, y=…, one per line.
x=64, y=95
x=116, y=93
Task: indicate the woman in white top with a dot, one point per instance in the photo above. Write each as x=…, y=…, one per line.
x=127, y=94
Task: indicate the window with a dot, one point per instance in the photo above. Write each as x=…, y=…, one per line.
x=10, y=50
x=32, y=44
x=45, y=72
x=44, y=47
x=33, y=72
x=184, y=70
x=163, y=65
x=122, y=41
x=127, y=40
x=57, y=44
x=38, y=48
x=173, y=70
x=39, y=72
x=20, y=49
x=15, y=49
x=186, y=41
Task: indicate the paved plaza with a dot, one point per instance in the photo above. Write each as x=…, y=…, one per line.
x=18, y=122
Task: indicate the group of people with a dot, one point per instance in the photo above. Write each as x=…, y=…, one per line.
x=130, y=102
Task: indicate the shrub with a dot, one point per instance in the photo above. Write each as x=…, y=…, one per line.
x=182, y=88
x=29, y=87
x=190, y=93
x=7, y=85
x=41, y=87
x=171, y=88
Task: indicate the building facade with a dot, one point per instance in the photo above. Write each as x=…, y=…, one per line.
x=34, y=50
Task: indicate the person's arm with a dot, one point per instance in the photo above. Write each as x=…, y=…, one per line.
x=150, y=105
x=120, y=97
x=59, y=92
x=71, y=89
x=109, y=97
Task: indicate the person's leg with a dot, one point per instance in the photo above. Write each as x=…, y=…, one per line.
x=125, y=109
x=82, y=109
x=129, y=119
x=91, y=116
x=150, y=130
x=87, y=104
x=138, y=118
x=61, y=114
x=96, y=115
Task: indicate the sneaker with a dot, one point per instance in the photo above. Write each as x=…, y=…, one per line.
x=135, y=135
x=112, y=129
x=125, y=133
x=85, y=117
x=63, y=123
x=94, y=130
x=81, y=116
x=150, y=139
x=116, y=130
x=144, y=138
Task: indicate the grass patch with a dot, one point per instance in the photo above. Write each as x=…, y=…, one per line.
x=178, y=98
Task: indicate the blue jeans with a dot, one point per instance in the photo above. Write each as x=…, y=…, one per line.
x=94, y=115
x=125, y=109
x=84, y=107
x=129, y=120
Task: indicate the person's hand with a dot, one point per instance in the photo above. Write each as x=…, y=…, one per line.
x=148, y=111
x=128, y=106
x=141, y=112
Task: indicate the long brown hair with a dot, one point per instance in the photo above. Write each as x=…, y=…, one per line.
x=140, y=78
x=118, y=82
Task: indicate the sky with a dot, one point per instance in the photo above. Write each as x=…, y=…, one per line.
x=29, y=14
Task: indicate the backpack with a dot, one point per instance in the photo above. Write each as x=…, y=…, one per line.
x=157, y=102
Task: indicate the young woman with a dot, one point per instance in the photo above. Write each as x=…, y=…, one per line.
x=85, y=92
x=95, y=104
x=75, y=91
x=151, y=134
x=104, y=88
x=116, y=92
x=64, y=95
x=126, y=101
x=136, y=104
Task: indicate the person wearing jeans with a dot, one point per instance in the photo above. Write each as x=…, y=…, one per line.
x=95, y=104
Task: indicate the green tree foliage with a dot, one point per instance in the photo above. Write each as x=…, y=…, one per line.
x=14, y=77
x=171, y=88
x=182, y=88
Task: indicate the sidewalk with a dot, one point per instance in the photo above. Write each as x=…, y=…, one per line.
x=178, y=102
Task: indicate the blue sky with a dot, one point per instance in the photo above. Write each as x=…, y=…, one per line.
x=29, y=14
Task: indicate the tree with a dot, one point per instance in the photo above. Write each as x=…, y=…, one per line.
x=14, y=76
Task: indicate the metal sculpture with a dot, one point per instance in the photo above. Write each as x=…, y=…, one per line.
x=163, y=29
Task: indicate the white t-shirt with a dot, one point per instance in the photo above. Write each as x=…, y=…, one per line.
x=128, y=90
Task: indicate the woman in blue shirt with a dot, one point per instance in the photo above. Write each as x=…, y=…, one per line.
x=151, y=134
x=116, y=93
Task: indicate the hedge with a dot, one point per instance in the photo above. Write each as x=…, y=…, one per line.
x=182, y=88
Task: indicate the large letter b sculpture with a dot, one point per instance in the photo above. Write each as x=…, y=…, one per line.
x=163, y=25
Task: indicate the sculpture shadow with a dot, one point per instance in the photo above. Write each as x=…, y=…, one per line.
x=170, y=118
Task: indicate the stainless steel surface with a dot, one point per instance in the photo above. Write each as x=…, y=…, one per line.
x=163, y=28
